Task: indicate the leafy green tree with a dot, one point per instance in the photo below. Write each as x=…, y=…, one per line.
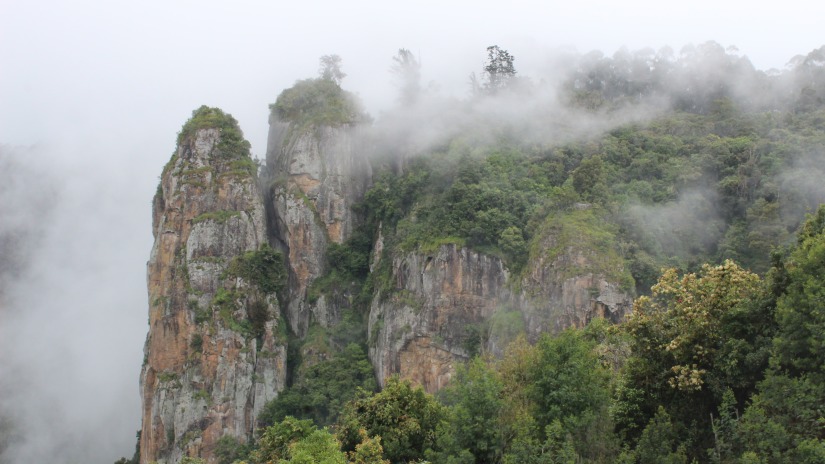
x=369, y=451
x=474, y=407
x=511, y=241
x=589, y=179
x=785, y=421
x=319, y=447
x=323, y=389
x=659, y=443
x=229, y=449
x=686, y=341
x=407, y=71
x=800, y=342
x=558, y=447
x=564, y=365
x=498, y=69
x=403, y=416
x=275, y=441
x=520, y=432
x=330, y=69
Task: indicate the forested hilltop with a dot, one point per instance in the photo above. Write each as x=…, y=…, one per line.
x=621, y=262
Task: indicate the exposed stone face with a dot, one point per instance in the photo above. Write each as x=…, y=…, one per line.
x=423, y=328
x=569, y=289
x=442, y=299
x=205, y=374
x=319, y=173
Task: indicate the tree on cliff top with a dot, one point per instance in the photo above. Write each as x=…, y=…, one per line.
x=320, y=101
x=407, y=71
x=330, y=69
x=498, y=70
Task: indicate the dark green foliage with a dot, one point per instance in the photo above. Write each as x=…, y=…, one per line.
x=564, y=365
x=559, y=447
x=589, y=179
x=232, y=144
x=692, y=344
x=274, y=443
x=351, y=259
x=265, y=268
x=800, y=345
x=474, y=406
x=484, y=203
x=197, y=343
x=785, y=419
x=403, y=416
x=660, y=442
x=323, y=389
x=681, y=190
x=229, y=449
x=317, y=102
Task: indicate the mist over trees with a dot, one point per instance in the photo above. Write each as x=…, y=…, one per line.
x=407, y=72
x=694, y=170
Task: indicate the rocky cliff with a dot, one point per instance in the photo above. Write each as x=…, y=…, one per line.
x=319, y=172
x=222, y=301
x=446, y=305
x=574, y=274
x=433, y=316
x=215, y=352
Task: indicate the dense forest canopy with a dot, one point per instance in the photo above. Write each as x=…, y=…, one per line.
x=695, y=178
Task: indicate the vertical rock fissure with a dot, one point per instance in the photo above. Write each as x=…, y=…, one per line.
x=213, y=356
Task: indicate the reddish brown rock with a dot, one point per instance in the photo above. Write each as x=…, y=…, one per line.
x=206, y=373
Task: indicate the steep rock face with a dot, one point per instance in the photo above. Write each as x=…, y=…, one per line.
x=574, y=274
x=214, y=353
x=446, y=304
x=319, y=173
x=432, y=318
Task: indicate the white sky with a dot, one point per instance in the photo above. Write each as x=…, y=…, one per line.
x=102, y=87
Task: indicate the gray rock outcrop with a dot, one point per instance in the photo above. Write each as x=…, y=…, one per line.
x=214, y=354
x=319, y=173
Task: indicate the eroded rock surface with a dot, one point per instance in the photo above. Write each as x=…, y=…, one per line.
x=447, y=305
x=432, y=318
x=570, y=279
x=319, y=173
x=215, y=352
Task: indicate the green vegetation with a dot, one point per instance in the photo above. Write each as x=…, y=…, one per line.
x=404, y=417
x=229, y=449
x=317, y=102
x=264, y=268
x=232, y=144
x=197, y=343
x=218, y=216
x=323, y=389
x=266, y=271
x=164, y=377
x=718, y=365
x=721, y=361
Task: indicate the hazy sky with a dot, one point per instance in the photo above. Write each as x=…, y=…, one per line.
x=102, y=87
